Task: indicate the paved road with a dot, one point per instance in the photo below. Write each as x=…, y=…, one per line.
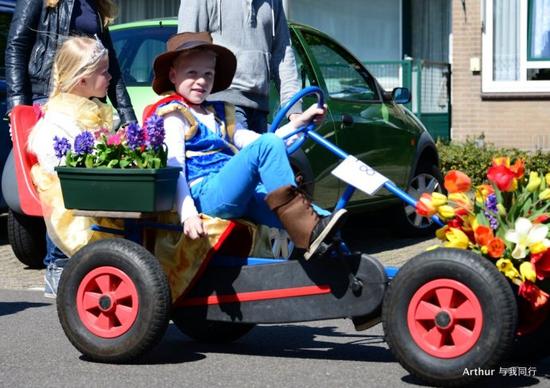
x=35, y=353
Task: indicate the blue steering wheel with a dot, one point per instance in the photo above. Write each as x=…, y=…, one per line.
x=284, y=110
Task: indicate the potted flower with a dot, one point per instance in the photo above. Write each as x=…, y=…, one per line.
x=505, y=221
x=125, y=171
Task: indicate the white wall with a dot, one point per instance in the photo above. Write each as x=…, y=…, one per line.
x=369, y=29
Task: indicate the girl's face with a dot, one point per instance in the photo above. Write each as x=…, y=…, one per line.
x=97, y=83
x=193, y=76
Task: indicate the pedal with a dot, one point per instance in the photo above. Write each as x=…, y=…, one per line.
x=321, y=250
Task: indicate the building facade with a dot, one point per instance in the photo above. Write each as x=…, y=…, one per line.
x=501, y=72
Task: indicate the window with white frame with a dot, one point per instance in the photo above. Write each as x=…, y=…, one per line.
x=516, y=46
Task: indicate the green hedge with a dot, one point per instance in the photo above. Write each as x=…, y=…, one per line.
x=474, y=159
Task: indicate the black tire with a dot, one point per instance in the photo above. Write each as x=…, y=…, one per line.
x=146, y=310
x=473, y=285
x=427, y=178
x=27, y=237
x=211, y=332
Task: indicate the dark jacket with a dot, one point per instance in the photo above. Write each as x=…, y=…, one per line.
x=28, y=72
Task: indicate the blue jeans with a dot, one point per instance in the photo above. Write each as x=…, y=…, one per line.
x=250, y=118
x=52, y=252
x=239, y=188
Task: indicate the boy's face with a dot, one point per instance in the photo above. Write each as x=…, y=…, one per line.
x=193, y=75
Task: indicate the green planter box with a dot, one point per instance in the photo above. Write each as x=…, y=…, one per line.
x=109, y=189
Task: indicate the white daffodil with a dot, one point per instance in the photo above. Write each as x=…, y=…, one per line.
x=526, y=235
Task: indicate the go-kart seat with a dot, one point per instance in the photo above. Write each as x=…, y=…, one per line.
x=22, y=120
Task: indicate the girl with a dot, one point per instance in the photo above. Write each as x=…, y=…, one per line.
x=37, y=29
x=257, y=182
x=80, y=76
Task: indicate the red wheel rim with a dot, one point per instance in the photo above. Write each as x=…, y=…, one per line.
x=107, y=302
x=445, y=318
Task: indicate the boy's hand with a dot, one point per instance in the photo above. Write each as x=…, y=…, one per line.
x=194, y=228
x=313, y=113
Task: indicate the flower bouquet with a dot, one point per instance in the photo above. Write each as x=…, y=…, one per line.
x=124, y=171
x=503, y=220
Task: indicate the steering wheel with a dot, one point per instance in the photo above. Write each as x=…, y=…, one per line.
x=284, y=110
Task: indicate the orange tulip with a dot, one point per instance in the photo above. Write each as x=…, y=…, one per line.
x=518, y=168
x=496, y=248
x=457, y=182
x=483, y=235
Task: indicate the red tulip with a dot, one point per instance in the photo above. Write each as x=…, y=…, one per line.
x=533, y=294
x=502, y=176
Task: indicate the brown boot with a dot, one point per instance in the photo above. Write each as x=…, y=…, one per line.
x=304, y=226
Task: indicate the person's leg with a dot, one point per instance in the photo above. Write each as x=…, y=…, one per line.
x=228, y=193
x=55, y=260
x=233, y=193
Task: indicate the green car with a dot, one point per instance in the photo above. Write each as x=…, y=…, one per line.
x=363, y=118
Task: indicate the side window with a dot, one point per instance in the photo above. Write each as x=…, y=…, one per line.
x=136, y=50
x=345, y=77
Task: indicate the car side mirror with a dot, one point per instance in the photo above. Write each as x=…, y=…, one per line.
x=401, y=95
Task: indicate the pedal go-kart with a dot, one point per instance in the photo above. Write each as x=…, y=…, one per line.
x=443, y=312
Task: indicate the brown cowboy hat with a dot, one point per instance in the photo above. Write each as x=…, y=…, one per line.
x=226, y=63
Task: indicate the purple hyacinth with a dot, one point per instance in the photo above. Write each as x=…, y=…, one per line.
x=84, y=143
x=135, y=136
x=491, y=210
x=155, y=131
x=61, y=146
x=491, y=203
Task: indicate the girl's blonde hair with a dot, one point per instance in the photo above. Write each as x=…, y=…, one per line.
x=77, y=58
x=107, y=9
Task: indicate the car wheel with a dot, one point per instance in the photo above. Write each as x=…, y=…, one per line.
x=448, y=311
x=113, y=300
x=27, y=237
x=212, y=332
x=426, y=179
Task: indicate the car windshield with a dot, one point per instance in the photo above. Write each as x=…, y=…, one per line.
x=136, y=48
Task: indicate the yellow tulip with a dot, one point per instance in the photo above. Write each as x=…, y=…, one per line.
x=534, y=182
x=461, y=199
x=507, y=268
x=538, y=247
x=446, y=211
x=456, y=239
x=438, y=199
x=544, y=195
x=527, y=271
x=547, y=178
x=440, y=233
x=484, y=249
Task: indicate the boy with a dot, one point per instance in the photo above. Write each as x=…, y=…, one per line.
x=228, y=171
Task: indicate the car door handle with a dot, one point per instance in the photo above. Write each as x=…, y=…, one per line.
x=347, y=120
